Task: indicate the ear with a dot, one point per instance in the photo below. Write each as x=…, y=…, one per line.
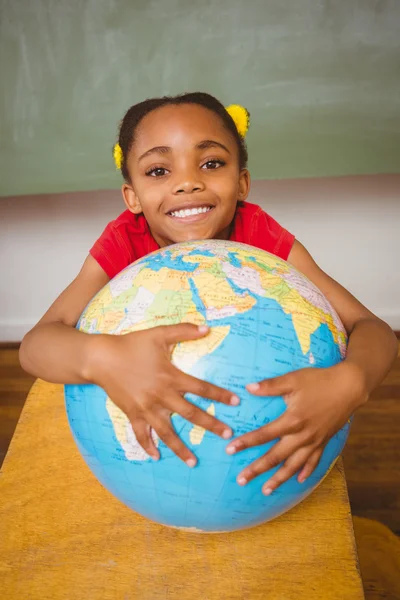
x=244, y=184
x=131, y=200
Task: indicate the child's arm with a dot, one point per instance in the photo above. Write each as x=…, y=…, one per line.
x=135, y=369
x=54, y=350
x=319, y=401
x=372, y=344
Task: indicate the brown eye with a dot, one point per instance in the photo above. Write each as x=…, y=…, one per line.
x=213, y=164
x=156, y=172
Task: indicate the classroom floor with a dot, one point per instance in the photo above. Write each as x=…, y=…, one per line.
x=371, y=459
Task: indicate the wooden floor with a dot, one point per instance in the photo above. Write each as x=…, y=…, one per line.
x=371, y=457
x=14, y=387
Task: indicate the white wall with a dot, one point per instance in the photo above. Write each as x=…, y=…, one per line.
x=351, y=225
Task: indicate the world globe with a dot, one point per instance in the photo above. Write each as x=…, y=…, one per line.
x=266, y=319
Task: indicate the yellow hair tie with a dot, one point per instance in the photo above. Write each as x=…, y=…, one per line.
x=241, y=118
x=118, y=156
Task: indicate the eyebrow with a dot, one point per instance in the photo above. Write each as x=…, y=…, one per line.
x=200, y=146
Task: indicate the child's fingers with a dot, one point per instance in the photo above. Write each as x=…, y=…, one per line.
x=274, y=430
x=276, y=386
x=199, y=417
x=274, y=457
x=142, y=431
x=187, y=383
x=163, y=427
x=310, y=465
x=291, y=466
x=173, y=334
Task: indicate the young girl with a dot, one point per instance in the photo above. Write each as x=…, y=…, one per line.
x=184, y=160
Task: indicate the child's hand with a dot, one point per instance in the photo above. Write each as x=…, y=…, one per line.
x=137, y=374
x=319, y=402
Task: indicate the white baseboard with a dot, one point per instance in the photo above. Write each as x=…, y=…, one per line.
x=392, y=318
x=14, y=330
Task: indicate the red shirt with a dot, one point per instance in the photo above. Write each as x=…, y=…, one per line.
x=128, y=238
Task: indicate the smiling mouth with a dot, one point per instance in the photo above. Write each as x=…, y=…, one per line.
x=190, y=213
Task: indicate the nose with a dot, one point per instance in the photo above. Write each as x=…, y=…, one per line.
x=189, y=184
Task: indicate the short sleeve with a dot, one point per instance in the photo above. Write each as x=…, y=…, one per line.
x=257, y=228
x=111, y=252
x=280, y=240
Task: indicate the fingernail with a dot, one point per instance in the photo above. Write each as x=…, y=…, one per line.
x=235, y=401
x=191, y=462
x=242, y=480
x=267, y=491
x=203, y=328
x=227, y=434
x=155, y=456
x=302, y=479
x=253, y=387
x=231, y=449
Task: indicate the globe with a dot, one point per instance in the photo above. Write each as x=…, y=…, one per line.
x=266, y=319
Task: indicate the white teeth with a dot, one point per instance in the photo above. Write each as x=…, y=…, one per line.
x=187, y=212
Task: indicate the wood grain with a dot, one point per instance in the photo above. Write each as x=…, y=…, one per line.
x=14, y=387
x=63, y=536
x=379, y=552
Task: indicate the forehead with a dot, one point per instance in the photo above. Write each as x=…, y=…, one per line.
x=183, y=125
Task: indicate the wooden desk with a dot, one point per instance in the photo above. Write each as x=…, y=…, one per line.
x=63, y=536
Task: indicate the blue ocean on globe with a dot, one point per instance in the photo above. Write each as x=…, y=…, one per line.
x=266, y=319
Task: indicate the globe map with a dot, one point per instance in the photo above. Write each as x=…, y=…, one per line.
x=266, y=319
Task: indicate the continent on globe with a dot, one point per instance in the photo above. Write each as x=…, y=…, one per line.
x=185, y=357
x=125, y=434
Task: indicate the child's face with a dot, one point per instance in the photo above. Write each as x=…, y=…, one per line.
x=183, y=159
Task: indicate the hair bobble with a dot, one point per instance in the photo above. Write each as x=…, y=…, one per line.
x=241, y=118
x=118, y=156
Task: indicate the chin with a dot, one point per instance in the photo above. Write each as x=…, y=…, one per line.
x=191, y=236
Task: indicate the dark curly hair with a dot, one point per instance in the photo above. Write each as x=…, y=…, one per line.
x=136, y=113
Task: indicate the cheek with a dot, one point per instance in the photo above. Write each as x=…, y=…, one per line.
x=222, y=185
x=231, y=179
x=229, y=189
x=151, y=196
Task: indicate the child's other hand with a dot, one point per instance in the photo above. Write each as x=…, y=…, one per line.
x=136, y=372
x=319, y=402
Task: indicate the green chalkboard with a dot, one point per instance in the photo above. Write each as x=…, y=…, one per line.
x=321, y=79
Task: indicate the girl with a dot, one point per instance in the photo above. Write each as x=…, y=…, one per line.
x=184, y=161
